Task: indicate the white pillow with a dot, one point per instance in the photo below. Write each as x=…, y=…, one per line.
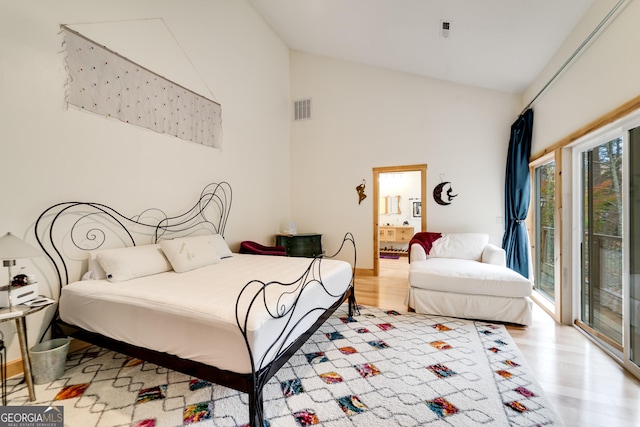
x=460, y=245
x=221, y=246
x=136, y=261
x=189, y=253
x=95, y=270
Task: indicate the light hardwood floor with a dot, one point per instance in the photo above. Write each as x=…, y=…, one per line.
x=585, y=385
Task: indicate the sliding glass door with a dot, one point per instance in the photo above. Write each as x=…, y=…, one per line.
x=634, y=245
x=601, y=296
x=606, y=238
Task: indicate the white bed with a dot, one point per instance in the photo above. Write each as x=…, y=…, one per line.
x=145, y=311
x=167, y=289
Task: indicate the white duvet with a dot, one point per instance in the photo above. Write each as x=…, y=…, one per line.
x=193, y=314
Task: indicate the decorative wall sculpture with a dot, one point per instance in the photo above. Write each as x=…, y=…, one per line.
x=442, y=196
x=106, y=83
x=360, y=190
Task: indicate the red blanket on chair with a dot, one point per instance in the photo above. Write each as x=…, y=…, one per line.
x=424, y=239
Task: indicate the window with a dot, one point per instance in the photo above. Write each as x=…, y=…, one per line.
x=544, y=226
x=544, y=230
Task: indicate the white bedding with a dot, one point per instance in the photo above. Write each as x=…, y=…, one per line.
x=192, y=314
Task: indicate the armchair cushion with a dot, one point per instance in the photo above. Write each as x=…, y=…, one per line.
x=468, y=277
x=460, y=246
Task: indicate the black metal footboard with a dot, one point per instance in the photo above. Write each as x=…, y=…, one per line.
x=293, y=314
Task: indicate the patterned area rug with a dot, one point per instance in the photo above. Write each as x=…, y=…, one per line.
x=381, y=368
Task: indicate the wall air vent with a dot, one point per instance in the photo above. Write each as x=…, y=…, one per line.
x=302, y=109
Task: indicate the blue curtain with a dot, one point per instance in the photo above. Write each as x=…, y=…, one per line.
x=517, y=191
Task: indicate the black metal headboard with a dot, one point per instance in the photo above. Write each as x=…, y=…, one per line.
x=67, y=230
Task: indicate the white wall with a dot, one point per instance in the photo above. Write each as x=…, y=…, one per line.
x=600, y=79
x=51, y=154
x=366, y=117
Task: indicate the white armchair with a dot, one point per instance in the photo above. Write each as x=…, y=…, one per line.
x=463, y=275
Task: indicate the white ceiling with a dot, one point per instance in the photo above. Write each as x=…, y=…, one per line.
x=496, y=44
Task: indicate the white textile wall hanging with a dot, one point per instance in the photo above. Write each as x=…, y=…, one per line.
x=106, y=83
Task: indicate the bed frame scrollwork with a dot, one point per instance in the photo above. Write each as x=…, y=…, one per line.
x=66, y=231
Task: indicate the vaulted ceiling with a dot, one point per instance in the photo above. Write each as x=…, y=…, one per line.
x=496, y=44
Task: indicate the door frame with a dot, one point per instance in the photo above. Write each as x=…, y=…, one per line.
x=422, y=168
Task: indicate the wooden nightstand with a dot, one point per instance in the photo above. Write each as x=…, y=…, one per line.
x=301, y=245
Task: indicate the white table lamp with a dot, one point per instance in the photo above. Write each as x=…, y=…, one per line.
x=12, y=248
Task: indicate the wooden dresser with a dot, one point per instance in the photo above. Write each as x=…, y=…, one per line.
x=302, y=245
x=395, y=234
x=394, y=240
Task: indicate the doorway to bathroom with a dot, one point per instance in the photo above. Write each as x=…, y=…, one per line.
x=399, y=209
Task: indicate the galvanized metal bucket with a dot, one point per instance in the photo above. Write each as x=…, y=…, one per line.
x=48, y=360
